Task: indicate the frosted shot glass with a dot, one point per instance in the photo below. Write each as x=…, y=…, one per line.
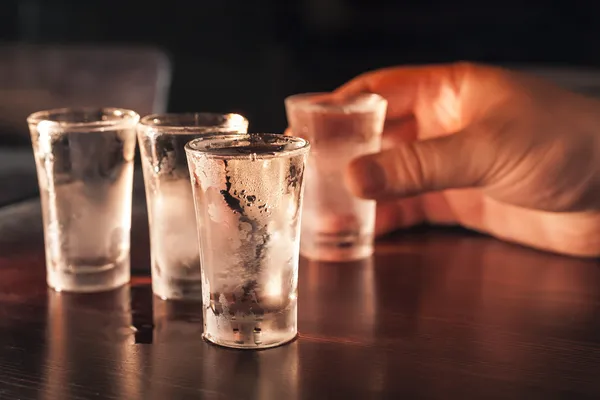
x=174, y=253
x=336, y=226
x=248, y=198
x=84, y=160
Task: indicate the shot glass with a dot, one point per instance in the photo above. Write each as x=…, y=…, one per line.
x=337, y=226
x=84, y=160
x=174, y=250
x=248, y=197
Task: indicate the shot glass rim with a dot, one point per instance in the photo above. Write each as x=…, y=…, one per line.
x=147, y=122
x=129, y=119
x=303, y=146
x=305, y=102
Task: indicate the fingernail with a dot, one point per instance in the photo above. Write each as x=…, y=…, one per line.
x=367, y=177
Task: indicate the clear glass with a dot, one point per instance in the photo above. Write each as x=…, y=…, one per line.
x=336, y=226
x=84, y=160
x=174, y=251
x=248, y=193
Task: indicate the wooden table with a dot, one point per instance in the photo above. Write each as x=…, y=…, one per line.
x=435, y=314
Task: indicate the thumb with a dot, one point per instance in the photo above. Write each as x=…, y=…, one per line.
x=412, y=168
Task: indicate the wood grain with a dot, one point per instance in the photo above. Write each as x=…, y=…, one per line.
x=434, y=314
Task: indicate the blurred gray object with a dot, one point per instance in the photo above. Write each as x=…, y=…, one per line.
x=38, y=77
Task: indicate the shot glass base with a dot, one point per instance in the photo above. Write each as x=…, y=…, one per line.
x=251, y=333
x=334, y=253
x=173, y=288
x=85, y=278
x=235, y=345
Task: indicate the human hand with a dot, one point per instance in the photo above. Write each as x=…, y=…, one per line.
x=492, y=150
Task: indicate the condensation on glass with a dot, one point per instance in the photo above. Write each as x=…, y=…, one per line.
x=336, y=226
x=248, y=192
x=174, y=251
x=84, y=159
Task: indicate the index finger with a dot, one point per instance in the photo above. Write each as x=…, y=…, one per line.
x=406, y=87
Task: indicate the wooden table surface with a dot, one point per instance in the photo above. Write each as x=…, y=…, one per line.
x=434, y=314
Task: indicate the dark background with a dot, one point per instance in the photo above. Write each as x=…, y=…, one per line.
x=247, y=55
